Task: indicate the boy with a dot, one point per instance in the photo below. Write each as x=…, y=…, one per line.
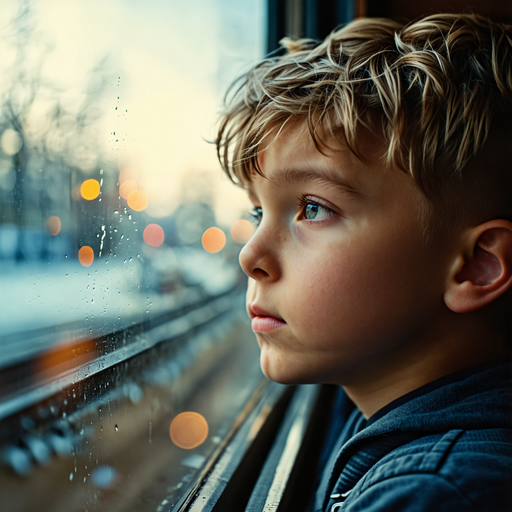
x=378, y=163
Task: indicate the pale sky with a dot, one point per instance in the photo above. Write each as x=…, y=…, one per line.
x=170, y=62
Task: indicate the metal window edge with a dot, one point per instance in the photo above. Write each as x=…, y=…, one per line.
x=208, y=492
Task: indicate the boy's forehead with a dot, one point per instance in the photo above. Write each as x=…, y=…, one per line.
x=291, y=157
x=305, y=174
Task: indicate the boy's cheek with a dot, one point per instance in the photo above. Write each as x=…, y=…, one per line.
x=250, y=290
x=250, y=285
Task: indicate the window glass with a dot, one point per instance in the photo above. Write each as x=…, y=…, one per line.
x=124, y=349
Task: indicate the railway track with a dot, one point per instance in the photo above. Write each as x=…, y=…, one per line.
x=85, y=424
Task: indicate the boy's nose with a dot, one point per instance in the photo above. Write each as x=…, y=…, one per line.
x=257, y=260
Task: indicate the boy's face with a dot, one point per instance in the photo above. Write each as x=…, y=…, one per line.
x=338, y=263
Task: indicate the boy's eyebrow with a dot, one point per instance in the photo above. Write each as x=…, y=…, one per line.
x=312, y=175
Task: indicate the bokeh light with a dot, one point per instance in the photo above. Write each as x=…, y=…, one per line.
x=126, y=188
x=214, y=239
x=153, y=235
x=53, y=225
x=242, y=230
x=137, y=200
x=188, y=430
x=64, y=354
x=75, y=193
x=90, y=189
x=86, y=256
x=10, y=142
x=128, y=174
x=104, y=477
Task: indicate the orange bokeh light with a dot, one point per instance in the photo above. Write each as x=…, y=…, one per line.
x=86, y=256
x=137, y=200
x=53, y=225
x=242, y=230
x=188, y=430
x=153, y=235
x=126, y=188
x=68, y=354
x=75, y=193
x=90, y=189
x=214, y=239
x=127, y=174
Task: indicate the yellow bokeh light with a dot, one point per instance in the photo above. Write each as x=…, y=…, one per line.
x=153, y=235
x=86, y=256
x=90, y=189
x=137, y=200
x=188, y=430
x=53, y=225
x=126, y=188
x=242, y=230
x=214, y=239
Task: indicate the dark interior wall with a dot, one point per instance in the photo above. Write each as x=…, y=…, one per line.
x=499, y=10
x=307, y=18
x=316, y=18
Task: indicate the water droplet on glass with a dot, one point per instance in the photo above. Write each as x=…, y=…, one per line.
x=104, y=477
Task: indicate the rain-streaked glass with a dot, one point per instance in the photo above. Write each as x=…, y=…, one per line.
x=124, y=350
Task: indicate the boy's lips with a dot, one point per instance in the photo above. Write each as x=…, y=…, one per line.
x=263, y=321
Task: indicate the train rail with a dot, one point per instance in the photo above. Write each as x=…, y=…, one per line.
x=86, y=423
x=34, y=367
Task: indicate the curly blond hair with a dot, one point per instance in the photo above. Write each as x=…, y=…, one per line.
x=437, y=91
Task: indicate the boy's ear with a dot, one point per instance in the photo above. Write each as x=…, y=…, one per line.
x=483, y=268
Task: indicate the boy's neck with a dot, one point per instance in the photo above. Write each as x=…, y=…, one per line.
x=385, y=381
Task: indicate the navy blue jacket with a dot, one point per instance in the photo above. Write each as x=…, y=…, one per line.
x=444, y=447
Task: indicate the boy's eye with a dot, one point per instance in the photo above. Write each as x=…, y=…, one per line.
x=312, y=210
x=256, y=215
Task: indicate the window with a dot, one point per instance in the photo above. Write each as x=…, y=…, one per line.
x=125, y=357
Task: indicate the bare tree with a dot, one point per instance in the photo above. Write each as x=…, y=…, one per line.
x=48, y=158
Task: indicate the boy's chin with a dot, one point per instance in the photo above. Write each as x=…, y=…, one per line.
x=291, y=381
x=283, y=375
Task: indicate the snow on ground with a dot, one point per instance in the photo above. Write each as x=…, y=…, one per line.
x=107, y=296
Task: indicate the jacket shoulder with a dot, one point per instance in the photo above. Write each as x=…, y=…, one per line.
x=456, y=471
